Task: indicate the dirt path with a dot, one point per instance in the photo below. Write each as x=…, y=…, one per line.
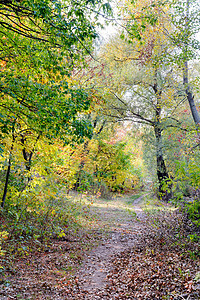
x=130, y=260
x=50, y=274
x=120, y=219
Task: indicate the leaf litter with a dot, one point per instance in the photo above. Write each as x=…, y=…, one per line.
x=125, y=256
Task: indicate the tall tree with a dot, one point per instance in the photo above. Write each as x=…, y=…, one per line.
x=180, y=22
x=159, y=37
x=187, y=16
x=144, y=86
x=41, y=42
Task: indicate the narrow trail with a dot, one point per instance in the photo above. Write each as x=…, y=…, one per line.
x=65, y=271
x=120, y=219
x=116, y=258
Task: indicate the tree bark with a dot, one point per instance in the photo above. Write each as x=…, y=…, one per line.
x=190, y=98
x=8, y=169
x=189, y=94
x=164, y=188
x=28, y=156
x=6, y=182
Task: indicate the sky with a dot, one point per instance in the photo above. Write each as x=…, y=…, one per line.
x=111, y=29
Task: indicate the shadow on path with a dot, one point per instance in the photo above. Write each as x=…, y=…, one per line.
x=123, y=224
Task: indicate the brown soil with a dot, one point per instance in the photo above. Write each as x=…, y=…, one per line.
x=116, y=259
x=123, y=225
x=68, y=269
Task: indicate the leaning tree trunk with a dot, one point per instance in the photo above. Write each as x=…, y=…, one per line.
x=190, y=98
x=6, y=181
x=9, y=168
x=188, y=91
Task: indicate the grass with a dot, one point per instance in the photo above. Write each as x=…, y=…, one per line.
x=153, y=205
x=106, y=211
x=134, y=197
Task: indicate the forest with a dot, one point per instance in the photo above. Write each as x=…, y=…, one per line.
x=99, y=138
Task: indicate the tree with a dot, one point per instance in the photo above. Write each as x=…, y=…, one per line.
x=185, y=19
x=179, y=25
x=41, y=43
x=144, y=90
x=153, y=47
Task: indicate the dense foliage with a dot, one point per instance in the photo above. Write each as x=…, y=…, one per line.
x=77, y=119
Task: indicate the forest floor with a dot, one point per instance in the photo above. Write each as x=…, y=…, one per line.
x=121, y=256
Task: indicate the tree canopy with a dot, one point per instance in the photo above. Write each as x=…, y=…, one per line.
x=41, y=43
x=99, y=119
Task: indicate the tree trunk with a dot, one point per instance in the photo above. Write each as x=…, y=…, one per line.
x=6, y=182
x=164, y=181
x=164, y=189
x=190, y=96
x=8, y=169
x=28, y=156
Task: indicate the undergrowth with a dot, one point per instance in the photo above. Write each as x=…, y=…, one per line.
x=31, y=222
